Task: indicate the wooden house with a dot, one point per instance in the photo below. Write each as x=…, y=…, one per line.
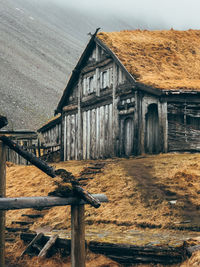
x=50, y=134
x=27, y=139
x=133, y=92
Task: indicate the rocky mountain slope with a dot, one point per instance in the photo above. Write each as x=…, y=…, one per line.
x=40, y=42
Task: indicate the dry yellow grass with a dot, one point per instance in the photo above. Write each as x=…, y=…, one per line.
x=139, y=191
x=164, y=59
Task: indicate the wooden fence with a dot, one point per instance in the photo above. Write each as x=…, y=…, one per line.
x=77, y=203
x=45, y=152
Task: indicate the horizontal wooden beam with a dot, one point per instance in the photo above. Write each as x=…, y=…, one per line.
x=42, y=202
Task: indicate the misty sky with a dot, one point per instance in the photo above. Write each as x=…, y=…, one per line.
x=179, y=14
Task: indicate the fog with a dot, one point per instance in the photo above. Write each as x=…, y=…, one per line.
x=153, y=14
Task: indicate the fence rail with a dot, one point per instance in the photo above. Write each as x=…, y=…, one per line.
x=44, y=152
x=80, y=197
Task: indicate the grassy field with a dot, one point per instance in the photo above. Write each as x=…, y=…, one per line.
x=151, y=193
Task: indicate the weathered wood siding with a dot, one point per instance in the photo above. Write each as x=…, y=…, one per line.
x=52, y=136
x=184, y=126
x=99, y=100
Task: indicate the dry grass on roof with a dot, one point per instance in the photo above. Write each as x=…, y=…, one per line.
x=164, y=59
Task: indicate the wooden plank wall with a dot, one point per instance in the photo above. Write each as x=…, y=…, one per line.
x=52, y=136
x=91, y=128
x=13, y=157
x=96, y=134
x=184, y=127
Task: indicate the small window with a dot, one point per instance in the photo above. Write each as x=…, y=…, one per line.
x=104, y=79
x=91, y=84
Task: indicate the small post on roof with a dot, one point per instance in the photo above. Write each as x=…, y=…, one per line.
x=2, y=194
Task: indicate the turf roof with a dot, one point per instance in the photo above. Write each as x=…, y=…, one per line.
x=165, y=59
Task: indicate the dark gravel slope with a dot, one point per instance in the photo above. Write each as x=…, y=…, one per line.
x=40, y=42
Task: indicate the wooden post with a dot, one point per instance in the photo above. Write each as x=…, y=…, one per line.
x=77, y=236
x=2, y=194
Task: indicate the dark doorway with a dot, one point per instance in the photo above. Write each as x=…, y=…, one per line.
x=152, y=138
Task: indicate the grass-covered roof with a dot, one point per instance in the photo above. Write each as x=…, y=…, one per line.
x=165, y=59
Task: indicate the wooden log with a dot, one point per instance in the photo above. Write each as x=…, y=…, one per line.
x=3, y=121
x=129, y=254
x=126, y=254
x=2, y=194
x=48, y=246
x=41, y=202
x=77, y=236
x=35, y=239
x=48, y=170
x=83, y=194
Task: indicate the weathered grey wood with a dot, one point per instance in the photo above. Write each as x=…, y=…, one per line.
x=79, y=121
x=97, y=132
x=88, y=134
x=106, y=131
x=84, y=135
x=48, y=246
x=72, y=134
x=93, y=133
x=77, y=236
x=2, y=194
x=41, y=202
x=68, y=137
x=65, y=138
x=115, y=114
x=35, y=239
x=29, y=156
x=102, y=132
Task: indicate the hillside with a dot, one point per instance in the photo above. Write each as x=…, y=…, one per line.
x=151, y=199
x=40, y=42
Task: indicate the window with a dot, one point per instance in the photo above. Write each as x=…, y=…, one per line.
x=104, y=79
x=89, y=85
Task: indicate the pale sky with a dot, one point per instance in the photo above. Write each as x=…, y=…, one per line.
x=179, y=14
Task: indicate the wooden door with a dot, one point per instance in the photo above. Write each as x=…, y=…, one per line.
x=152, y=138
x=128, y=135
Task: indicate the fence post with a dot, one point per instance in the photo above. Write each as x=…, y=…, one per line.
x=2, y=194
x=77, y=236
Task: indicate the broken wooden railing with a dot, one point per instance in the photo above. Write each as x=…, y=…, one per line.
x=77, y=201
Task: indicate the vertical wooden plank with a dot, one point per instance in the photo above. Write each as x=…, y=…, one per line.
x=110, y=129
x=115, y=117
x=2, y=194
x=88, y=134
x=106, y=130
x=68, y=138
x=84, y=135
x=79, y=120
x=72, y=134
x=102, y=131
x=93, y=133
x=65, y=138
x=97, y=133
x=76, y=137
x=77, y=236
x=97, y=82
